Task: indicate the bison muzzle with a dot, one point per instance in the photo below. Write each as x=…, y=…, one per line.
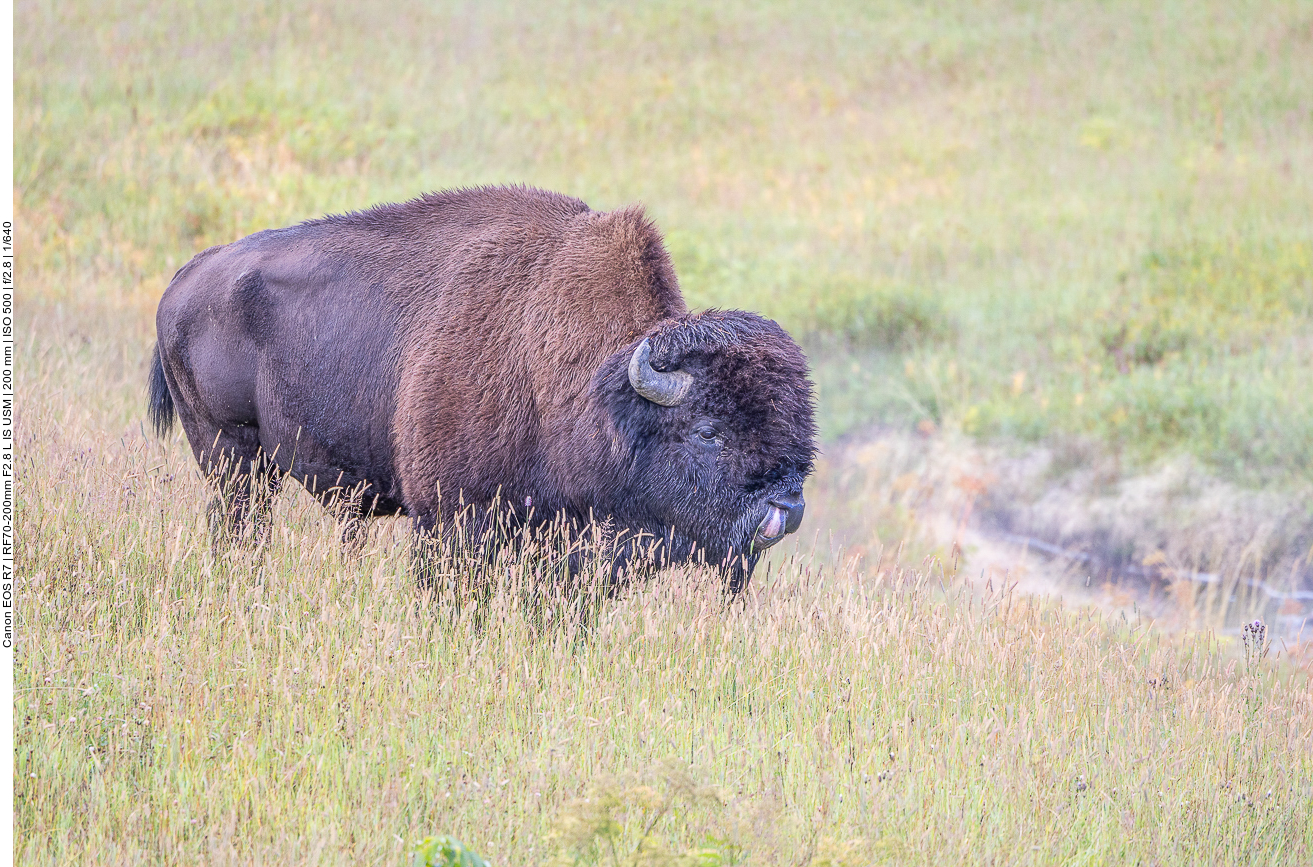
x=497, y=349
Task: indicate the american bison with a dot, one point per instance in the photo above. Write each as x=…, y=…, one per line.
x=500, y=348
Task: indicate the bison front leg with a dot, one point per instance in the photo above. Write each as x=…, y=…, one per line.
x=443, y=562
x=457, y=554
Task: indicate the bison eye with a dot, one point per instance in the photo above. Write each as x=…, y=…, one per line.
x=706, y=434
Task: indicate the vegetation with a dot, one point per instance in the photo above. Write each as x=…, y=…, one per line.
x=1085, y=221
x=444, y=852
x=976, y=200
x=284, y=706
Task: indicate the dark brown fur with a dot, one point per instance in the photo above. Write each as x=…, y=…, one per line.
x=459, y=347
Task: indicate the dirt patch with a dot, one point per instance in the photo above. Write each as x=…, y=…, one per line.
x=1176, y=543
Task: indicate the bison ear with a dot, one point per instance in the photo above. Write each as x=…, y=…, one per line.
x=667, y=388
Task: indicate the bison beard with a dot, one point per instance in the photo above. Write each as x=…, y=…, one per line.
x=502, y=350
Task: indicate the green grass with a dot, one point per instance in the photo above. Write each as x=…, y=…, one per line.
x=1080, y=222
x=287, y=706
x=999, y=186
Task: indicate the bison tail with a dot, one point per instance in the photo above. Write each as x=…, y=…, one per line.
x=160, y=406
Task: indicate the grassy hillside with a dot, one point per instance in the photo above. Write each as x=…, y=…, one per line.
x=1080, y=223
x=1038, y=221
x=286, y=706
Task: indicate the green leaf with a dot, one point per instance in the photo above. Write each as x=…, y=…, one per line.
x=445, y=852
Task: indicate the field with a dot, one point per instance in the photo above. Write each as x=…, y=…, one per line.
x=1081, y=230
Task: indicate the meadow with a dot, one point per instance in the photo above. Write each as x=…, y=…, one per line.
x=1085, y=228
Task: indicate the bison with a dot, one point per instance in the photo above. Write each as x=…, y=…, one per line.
x=493, y=348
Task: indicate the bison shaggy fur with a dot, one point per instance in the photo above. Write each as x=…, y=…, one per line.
x=501, y=349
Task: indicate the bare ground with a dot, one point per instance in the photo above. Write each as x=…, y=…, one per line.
x=1174, y=543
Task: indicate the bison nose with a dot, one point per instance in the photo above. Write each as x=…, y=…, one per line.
x=783, y=515
x=793, y=505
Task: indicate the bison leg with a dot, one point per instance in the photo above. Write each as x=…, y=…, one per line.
x=455, y=555
x=246, y=481
x=425, y=553
x=354, y=533
x=439, y=560
x=349, y=508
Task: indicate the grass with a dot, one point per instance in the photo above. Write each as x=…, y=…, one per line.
x=285, y=706
x=1079, y=222
x=289, y=706
x=993, y=185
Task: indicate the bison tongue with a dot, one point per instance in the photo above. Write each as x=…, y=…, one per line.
x=771, y=528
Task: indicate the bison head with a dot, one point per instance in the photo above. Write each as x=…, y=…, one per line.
x=715, y=420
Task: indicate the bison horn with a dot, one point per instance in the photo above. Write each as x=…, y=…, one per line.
x=667, y=389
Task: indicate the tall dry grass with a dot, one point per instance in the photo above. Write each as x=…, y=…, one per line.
x=287, y=705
